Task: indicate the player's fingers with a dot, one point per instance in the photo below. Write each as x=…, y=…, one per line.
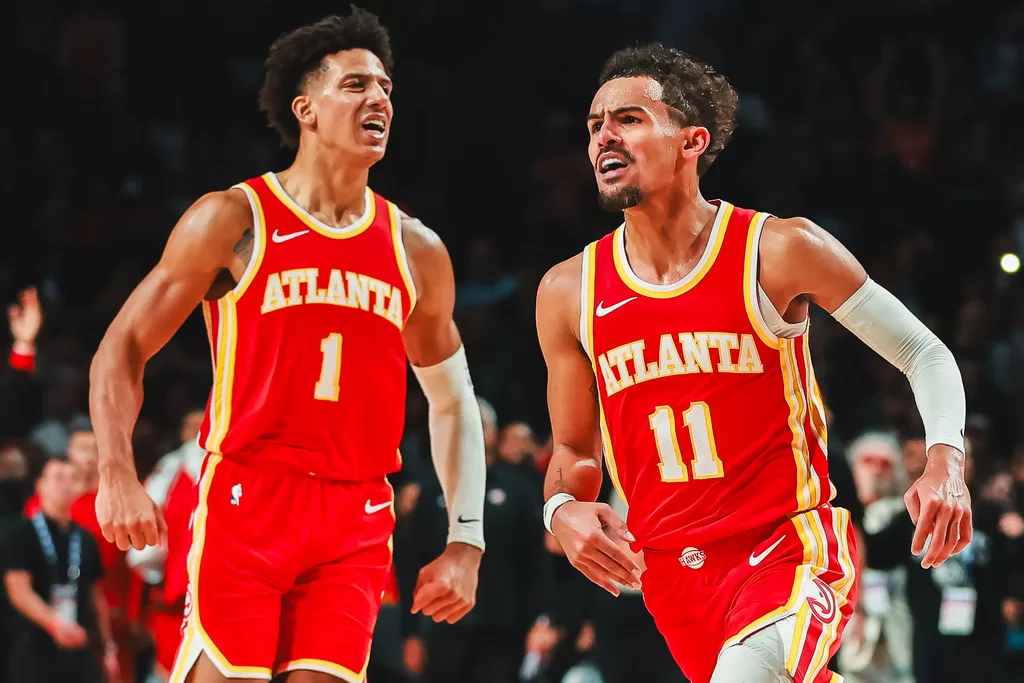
x=913, y=502
x=425, y=592
x=137, y=536
x=940, y=533
x=121, y=538
x=597, y=575
x=613, y=570
x=966, y=531
x=459, y=614
x=442, y=605
x=620, y=557
x=925, y=524
x=448, y=611
x=611, y=519
x=108, y=533
x=161, y=525
x=952, y=537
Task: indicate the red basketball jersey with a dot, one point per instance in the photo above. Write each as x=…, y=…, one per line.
x=308, y=358
x=711, y=424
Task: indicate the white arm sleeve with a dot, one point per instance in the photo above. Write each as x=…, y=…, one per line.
x=882, y=322
x=457, y=445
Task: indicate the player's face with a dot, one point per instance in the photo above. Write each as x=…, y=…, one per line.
x=349, y=104
x=635, y=143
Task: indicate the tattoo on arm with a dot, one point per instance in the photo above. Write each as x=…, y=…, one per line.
x=560, y=486
x=243, y=247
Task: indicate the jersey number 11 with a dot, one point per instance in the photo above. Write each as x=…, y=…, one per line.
x=697, y=419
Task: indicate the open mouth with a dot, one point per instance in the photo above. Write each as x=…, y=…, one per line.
x=376, y=127
x=611, y=162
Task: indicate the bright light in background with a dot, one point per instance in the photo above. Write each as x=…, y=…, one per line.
x=1010, y=263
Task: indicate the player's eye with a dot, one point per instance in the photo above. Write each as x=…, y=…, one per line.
x=630, y=119
x=594, y=127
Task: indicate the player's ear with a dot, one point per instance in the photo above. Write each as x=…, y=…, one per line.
x=302, y=108
x=696, y=140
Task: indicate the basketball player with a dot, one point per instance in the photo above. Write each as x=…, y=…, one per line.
x=315, y=290
x=688, y=327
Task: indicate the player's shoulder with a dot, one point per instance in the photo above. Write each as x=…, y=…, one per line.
x=790, y=238
x=417, y=237
x=215, y=219
x=558, y=295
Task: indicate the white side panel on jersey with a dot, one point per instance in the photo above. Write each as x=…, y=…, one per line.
x=769, y=318
x=258, y=237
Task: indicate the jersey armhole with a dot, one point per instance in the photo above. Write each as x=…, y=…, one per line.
x=259, y=230
x=401, y=257
x=767, y=322
x=587, y=300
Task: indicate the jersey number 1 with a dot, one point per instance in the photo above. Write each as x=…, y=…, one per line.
x=697, y=419
x=327, y=388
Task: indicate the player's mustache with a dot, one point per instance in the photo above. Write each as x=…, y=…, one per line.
x=613, y=147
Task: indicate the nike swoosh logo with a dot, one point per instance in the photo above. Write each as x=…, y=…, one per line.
x=370, y=509
x=756, y=559
x=277, y=238
x=601, y=311
x=467, y=521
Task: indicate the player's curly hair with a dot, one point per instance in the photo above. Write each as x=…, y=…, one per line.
x=297, y=54
x=696, y=94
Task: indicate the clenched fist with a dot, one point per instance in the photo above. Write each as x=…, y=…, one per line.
x=127, y=515
x=446, y=588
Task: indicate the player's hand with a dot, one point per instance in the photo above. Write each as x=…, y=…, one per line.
x=940, y=506
x=111, y=665
x=446, y=588
x=580, y=530
x=25, y=317
x=127, y=515
x=67, y=634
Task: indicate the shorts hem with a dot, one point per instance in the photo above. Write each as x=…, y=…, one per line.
x=197, y=645
x=320, y=666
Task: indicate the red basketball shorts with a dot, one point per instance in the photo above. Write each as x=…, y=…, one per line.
x=285, y=572
x=706, y=599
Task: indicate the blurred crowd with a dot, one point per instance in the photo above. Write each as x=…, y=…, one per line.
x=896, y=128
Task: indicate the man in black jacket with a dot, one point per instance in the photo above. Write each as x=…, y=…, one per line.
x=959, y=630
x=488, y=644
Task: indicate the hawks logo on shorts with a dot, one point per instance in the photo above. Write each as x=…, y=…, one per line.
x=821, y=601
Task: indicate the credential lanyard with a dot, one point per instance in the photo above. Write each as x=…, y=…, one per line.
x=74, y=549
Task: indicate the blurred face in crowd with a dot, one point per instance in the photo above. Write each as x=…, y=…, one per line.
x=347, y=103
x=873, y=472
x=517, y=443
x=13, y=463
x=56, y=488
x=636, y=141
x=84, y=456
x=190, y=426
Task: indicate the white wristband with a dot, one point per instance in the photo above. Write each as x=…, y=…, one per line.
x=552, y=504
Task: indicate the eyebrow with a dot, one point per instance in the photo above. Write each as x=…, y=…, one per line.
x=616, y=112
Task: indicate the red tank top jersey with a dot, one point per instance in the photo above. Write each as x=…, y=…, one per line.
x=309, y=362
x=712, y=425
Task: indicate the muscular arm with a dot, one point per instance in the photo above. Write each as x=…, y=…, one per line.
x=575, y=466
x=800, y=262
x=201, y=245
x=434, y=348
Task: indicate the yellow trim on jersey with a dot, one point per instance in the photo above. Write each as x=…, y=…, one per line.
x=791, y=389
x=750, y=280
x=401, y=257
x=691, y=280
x=323, y=666
x=316, y=226
x=587, y=287
x=195, y=625
x=224, y=372
x=817, y=406
x=259, y=242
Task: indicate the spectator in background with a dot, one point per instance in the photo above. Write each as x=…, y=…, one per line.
x=957, y=607
x=18, y=388
x=878, y=641
x=172, y=485
x=52, y=572
x=514, y=592
x=517, y=446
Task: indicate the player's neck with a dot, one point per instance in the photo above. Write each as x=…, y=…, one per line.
x=326, y=184
x=668, y=231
